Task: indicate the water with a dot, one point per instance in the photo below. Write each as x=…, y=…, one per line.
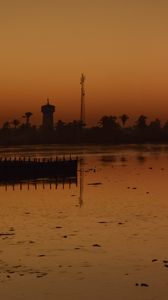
x=99, y=239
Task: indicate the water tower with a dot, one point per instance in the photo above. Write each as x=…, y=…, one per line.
x=48, y=115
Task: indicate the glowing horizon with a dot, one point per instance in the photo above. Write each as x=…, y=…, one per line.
x=120, y=46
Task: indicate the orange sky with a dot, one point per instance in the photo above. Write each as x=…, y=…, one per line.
x=121, y=46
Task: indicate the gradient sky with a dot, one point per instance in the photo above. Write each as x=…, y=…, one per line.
x=121, y=46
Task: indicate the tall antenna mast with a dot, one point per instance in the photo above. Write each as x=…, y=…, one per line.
x=82, y=114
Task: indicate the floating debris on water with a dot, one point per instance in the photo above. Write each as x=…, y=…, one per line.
x=95, y=183
x=6, y=234
x=142, y=284
x=96, y=245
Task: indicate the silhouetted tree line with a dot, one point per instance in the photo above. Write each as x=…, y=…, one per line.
x=109, y=129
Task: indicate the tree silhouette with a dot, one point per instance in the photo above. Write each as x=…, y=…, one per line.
x=141, y=122
x=165, y=130
x=165, y=125
x=15, y=123
x=108, y=122
x=6, y=125
x=155, y=125
x=124, y=118
x=108, y=130
x=60, y=125
x=27, y=115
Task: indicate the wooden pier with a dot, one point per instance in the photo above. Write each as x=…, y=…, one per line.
x=25, y=169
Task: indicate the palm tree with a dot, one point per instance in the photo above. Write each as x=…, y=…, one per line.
x=15, y=123
x=108, y=122
x=141, y=122
x=27, y=115
x=124, y=118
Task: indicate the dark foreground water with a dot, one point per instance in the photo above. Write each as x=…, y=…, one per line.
x=106, y=238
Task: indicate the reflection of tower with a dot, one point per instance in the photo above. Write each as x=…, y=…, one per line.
x=48, y=112
x=82, y=113
x=81, y=182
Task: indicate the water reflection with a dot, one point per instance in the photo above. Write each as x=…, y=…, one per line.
x=108, y=158
x=123, y=159
x=141, y=159
x=52, y=184
x=105, y=250
x=81, y=175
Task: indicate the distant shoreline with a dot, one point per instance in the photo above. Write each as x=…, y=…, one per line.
x=86, y=144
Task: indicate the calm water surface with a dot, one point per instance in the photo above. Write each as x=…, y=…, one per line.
x=97, y=240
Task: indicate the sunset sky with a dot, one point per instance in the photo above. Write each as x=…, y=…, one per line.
x=120, y=45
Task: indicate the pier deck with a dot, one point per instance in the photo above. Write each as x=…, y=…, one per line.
x=22, y=169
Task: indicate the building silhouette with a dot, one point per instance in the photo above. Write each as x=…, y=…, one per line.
x=48, y=115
